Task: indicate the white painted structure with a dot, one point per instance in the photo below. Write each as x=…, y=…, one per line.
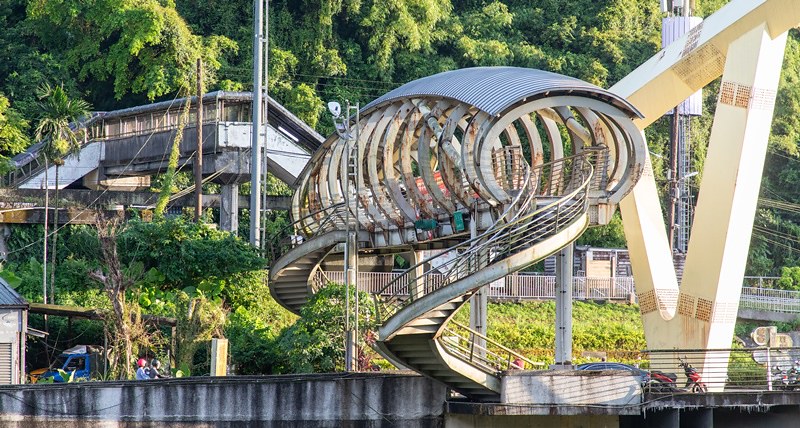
x=13, y=328
x=744, y=43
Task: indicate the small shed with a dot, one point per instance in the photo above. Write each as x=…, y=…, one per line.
x=13, y=328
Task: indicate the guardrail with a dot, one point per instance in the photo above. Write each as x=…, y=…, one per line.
x=520, y=286
x=717, y=370
x=512, y=287
x=768, y=299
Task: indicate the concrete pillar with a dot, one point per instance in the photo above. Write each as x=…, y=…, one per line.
x=665, y=418
x=229, y=208
x=700, y=418
x=5, y=231
x=219, y=357
x=564, y=266
x=702, y=313
x=417, y=288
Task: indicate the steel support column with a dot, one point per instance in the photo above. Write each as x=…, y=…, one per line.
x=564, y=268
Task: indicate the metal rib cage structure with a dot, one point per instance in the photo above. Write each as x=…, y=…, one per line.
x=525, y=158
x=445, y=143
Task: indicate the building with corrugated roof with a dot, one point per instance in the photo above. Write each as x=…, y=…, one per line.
x=13, y=329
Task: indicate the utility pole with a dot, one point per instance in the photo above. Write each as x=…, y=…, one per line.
x=351, y=154
x=198, y=164
x=673, y=179
x=255, y=147
x=265, y=91
x=44, y=248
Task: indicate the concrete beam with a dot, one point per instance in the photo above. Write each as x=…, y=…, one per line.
x=769, y=316
x=29, y=198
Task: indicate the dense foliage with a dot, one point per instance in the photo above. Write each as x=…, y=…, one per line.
x=120, y=53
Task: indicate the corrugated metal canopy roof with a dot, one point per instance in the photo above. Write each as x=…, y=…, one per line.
x=494, y=89
x=9, y=298
x=279, y=116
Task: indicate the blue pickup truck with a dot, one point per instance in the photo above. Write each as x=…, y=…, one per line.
x=85, y=361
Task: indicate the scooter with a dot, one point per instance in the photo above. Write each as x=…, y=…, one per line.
x=662, y=382
x=780, y=378
x=693, y=381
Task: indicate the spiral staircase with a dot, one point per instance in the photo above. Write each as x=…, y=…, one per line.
x=416, y=323
x=446, y=152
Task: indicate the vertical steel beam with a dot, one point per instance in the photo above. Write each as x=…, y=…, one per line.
x=255, y=147
x=564, y=267
x=479, y=302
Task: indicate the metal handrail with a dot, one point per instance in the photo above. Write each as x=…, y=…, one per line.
x=479, y=252
x=285, y=237
x=502, y=360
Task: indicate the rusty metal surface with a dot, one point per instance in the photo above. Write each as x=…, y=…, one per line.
x=460, y=140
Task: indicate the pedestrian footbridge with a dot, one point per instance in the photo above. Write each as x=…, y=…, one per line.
x=124, y=148
x=495, y=168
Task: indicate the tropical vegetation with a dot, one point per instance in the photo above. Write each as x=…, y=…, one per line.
x=113, y=54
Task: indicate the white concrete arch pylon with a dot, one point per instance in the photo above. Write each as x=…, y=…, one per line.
x=744, y=43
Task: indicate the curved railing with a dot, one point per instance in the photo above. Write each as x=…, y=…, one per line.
x=288, y=237
x=492, y=357
x=564, y=187
x=571, y=175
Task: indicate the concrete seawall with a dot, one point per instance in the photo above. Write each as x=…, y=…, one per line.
x=326, y=400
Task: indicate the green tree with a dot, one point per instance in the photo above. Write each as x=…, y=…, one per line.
x=315, y=343
x=139, y=46
x=13, y=137
x=188, y=254
x=58, y=129
x=790, y=278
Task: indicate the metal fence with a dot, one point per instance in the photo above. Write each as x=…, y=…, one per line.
x=767, y=299
x=717, y=370
x=513, y=287
x=521, y=286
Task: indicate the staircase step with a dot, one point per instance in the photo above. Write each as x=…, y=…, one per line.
x=412, y=346
x=425, y=329
x=426, y=321
x=437, y=314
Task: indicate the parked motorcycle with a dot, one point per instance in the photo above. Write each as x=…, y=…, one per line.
x=662, y=382
x=693, y=381
x=780, y=378
x=787, y=380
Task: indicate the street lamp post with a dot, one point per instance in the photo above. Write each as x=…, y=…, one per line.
x=350, y=157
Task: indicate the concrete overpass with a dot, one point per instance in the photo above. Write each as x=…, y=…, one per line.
x=126, y=147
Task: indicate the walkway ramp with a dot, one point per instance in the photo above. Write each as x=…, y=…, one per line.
x=127, y=146
x=414, y=329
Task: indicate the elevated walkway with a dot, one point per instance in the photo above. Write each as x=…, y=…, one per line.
x=440, y=160
x=126, y=146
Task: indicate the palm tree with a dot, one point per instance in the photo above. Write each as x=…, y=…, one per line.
x=58, y=129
